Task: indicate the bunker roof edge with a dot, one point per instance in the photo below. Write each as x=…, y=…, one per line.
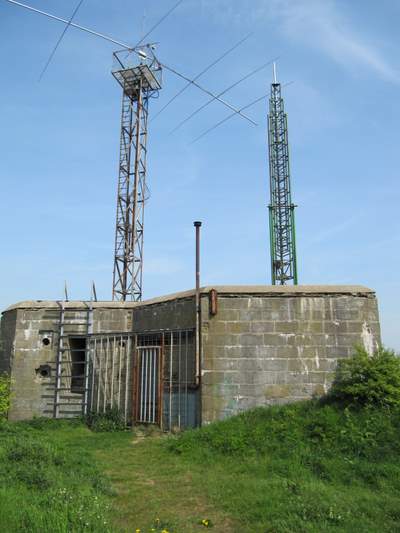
x=227, y=290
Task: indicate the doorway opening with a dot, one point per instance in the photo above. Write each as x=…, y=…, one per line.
x=77, y=347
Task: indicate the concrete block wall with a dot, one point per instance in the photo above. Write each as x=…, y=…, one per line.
x=171, y=313
x=264, y=345
x=270, y=348
x=25, y=325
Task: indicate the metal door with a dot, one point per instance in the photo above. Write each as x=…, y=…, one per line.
x=148, y=390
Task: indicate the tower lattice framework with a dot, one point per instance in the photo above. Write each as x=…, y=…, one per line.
x=139, y=83
x=281, y=208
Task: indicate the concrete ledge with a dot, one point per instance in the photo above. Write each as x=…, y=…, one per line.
x=267, y=290
x=226, y=290
x=290, y=289
x=72, y=305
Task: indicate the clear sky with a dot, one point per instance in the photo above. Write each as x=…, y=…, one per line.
x=60, y=139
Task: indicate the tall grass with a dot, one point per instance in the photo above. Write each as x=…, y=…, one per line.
x=45, y=486
x=304, y=467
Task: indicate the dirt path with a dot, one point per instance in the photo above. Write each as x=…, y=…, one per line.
x=157, y=489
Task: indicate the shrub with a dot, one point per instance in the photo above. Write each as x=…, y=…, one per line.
x=111, y=420
x=5, y=393
x=364, y=380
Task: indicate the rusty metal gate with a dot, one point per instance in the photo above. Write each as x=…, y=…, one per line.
x=147, y=376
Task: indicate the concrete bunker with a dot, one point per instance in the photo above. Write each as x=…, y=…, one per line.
x=259, y=345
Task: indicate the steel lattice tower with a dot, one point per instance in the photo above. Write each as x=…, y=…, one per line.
x=281, y=208
x=140, y=75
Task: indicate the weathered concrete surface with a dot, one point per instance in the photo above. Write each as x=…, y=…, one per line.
x=263, y=349
x=165, y=314
x=25, y=326
x=265, y=344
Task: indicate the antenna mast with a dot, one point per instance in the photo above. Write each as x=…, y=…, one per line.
x=281, y=208
x=140, y=75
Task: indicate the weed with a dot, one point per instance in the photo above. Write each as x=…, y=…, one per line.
x=5, y=394
x=110, y=420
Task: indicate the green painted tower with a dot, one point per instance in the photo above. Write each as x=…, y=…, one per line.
x=281, y=208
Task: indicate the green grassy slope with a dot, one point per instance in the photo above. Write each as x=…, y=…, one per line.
x=298, y=468
x=302, y=467
x=45, y=486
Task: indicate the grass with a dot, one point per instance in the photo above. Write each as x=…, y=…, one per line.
x=299, y=468
x=46, y=487
x=303, y=467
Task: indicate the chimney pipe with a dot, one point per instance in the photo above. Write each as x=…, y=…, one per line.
x=197, y=225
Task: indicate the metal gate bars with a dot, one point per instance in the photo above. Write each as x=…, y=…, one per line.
x=109, y=372
x=149, y=377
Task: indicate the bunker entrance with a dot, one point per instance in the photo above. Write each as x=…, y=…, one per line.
x=150, y=378
x=77, y=346
x=148, y=393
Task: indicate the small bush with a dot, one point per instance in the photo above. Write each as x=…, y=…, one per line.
x=364, y=380
x=111, y=420
x=5, y=393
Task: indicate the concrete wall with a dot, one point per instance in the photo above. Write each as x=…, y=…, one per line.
x=158, y=314
x=25, y=325
x=265, y=345
x=276, y=348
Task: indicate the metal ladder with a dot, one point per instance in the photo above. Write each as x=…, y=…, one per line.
x=69, y=403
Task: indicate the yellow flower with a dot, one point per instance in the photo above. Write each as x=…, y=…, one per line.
x=137, y=530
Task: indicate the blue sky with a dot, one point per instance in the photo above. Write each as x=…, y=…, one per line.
x=60, y=141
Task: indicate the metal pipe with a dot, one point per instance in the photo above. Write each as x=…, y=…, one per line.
x=112, y=371
x=145, y=365
x=99, y=373
x=186, y=378
x=122, y=345
x=214, y=96
x=197, y=225
x=127, y=353
x=54, y=50
x=161, y=383
x=135, y=380
x=78, y=26
x=154, y=383
x=60, y=353
x=189, y=83
x=94, y=348
x=106, y=375
x=179, y=378
x=141, y=366
x=149, y=390
x=170, y=378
